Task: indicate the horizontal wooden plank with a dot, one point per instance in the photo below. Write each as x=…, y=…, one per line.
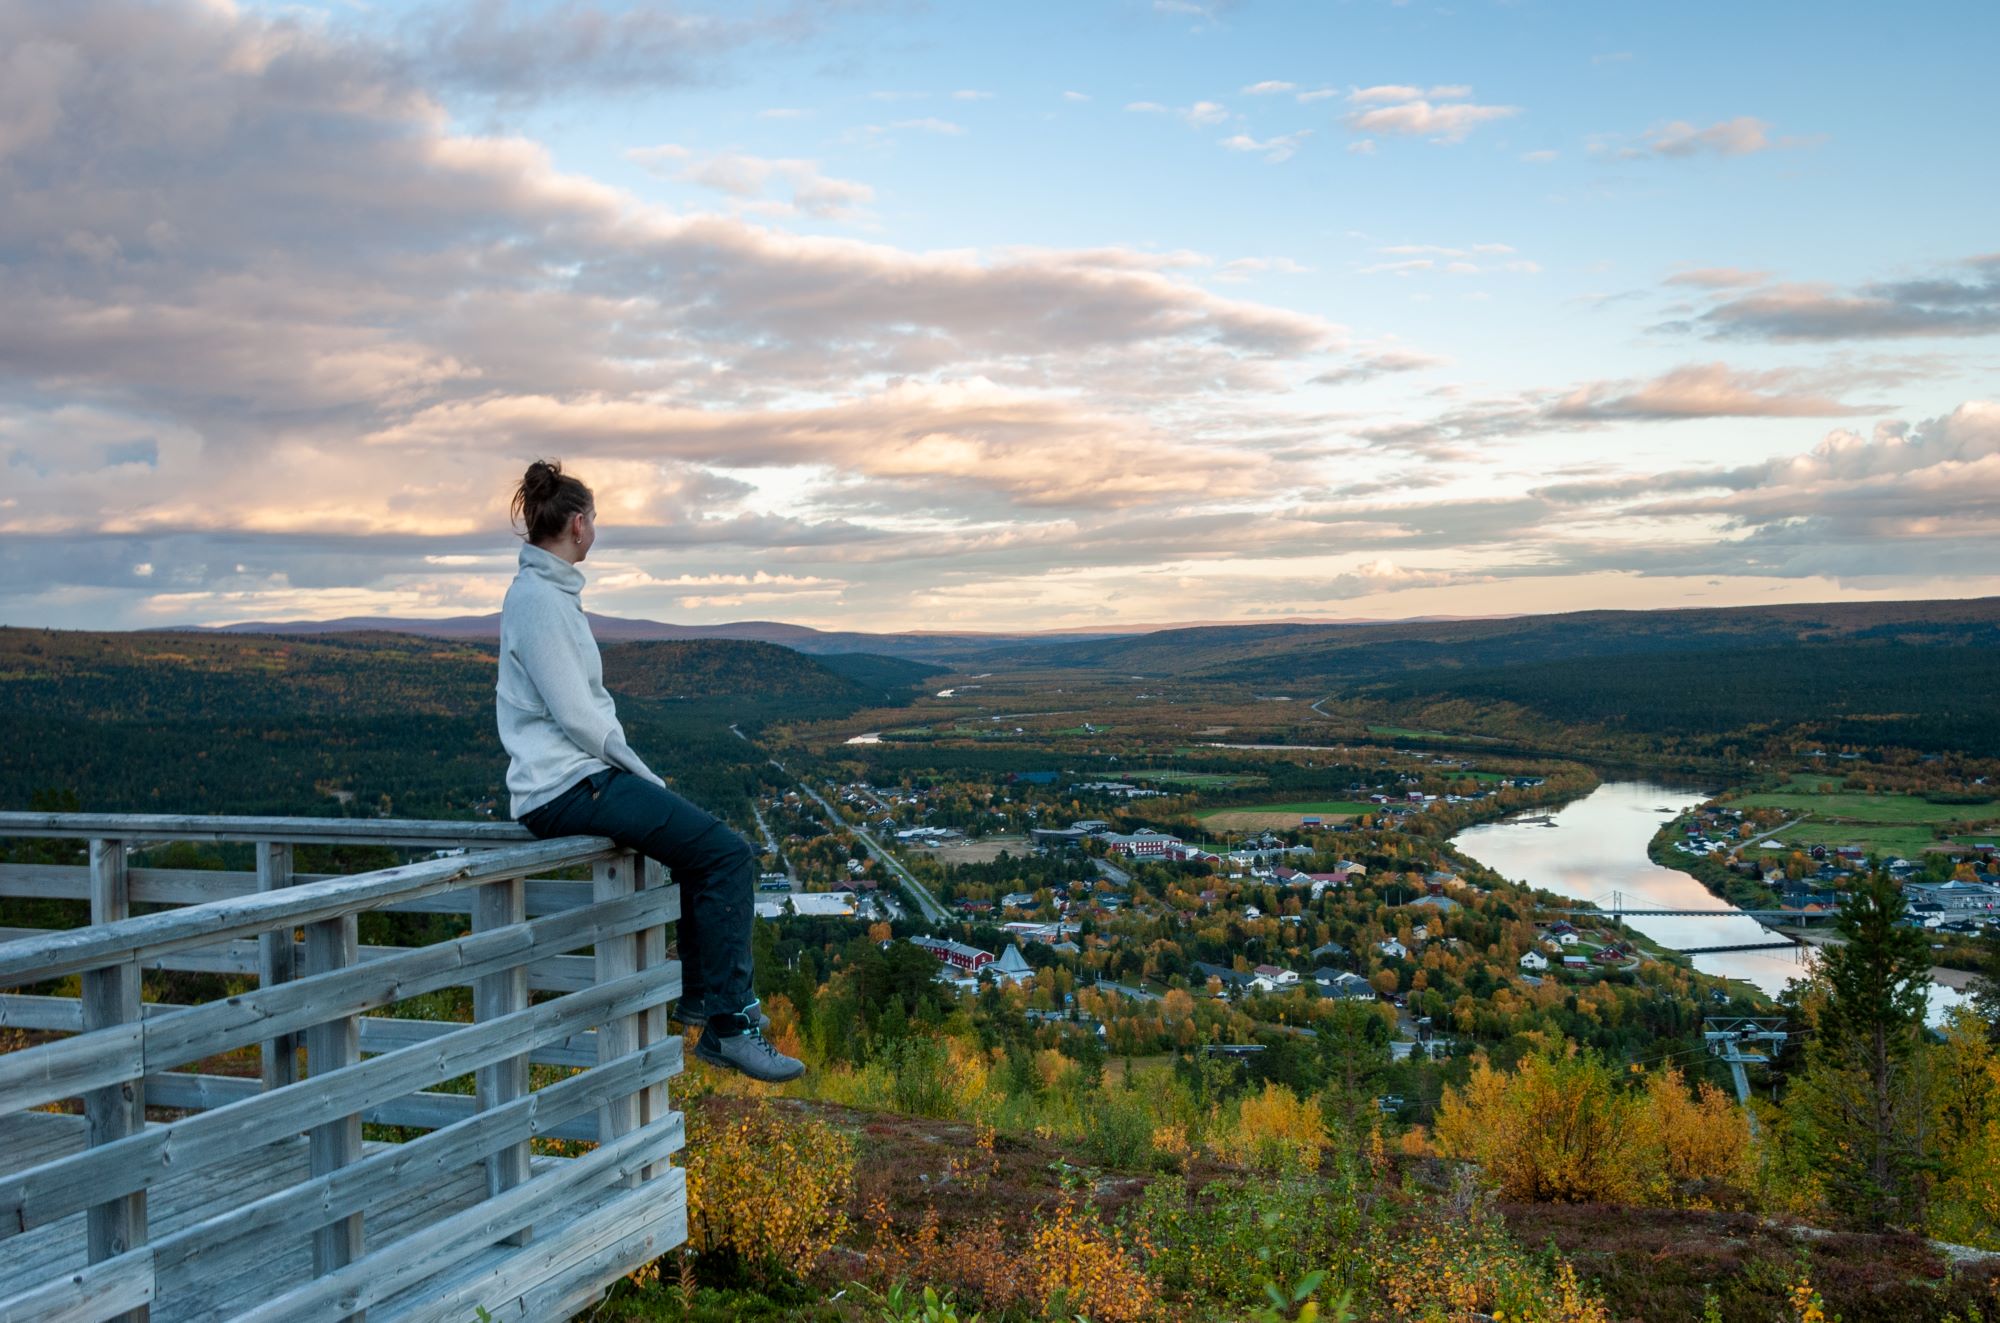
x=196, y=886
x=386, y=1034
x=39, y=1195
x=391, y=1268
x=103, y=1290
x=186, y=1091
x=151, y=935
x=230, y=827
x=560, y=1272
x=392, y=1170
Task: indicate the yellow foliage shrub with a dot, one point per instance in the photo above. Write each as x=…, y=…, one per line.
x=1275, y=1131
x=1555, y=1131
x=1081, y=1270
x=770, y=1190
x=1460, y=1266
x=1699, y=1149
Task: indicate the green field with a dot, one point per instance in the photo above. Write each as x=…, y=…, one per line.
x=1195, y=780
x=1861, y=808
x=1876, y=838
x=1337, y=807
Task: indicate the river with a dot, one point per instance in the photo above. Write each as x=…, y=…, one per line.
x=1598, y=846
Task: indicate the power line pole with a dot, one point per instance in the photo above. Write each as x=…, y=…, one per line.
x=1728, y=1036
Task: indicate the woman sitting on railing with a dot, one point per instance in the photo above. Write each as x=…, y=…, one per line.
x=571, y=773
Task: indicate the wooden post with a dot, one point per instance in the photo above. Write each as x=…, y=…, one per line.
x=111, y=997
x=653, y=1102
x=277, y=964
x=497, y=905
x=334, y=944
x=612, y=879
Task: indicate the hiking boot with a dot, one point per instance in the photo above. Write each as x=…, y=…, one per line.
x=749, y=1053
x=696, y=1015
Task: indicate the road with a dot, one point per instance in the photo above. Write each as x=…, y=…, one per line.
x=771, y=843
x=927, y=904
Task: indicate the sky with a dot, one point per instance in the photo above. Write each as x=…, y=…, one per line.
x=967, y=316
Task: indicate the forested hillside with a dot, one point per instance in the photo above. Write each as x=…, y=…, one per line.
x=364, y=723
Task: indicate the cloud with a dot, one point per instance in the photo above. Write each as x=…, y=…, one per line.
x=1442, y=115
x=1203, y=113
x=516, y=51
x=1694, y=391
x=1702, y=390
x=1076, y=96
x=1037, y=450
x=746, y=177
x=1538, y=158
x=1317, y=94
x=202, y=319
x=1378, y=364
x=1275, y=149
x=1242, y=268
x=1269, y=87
x=1362, y=147
x=1905, y=501
x=930, y=124
x=1717, y=277
x=1743, y=136
x=1963, y=301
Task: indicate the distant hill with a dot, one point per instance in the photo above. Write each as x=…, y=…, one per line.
x=617, y=629
x=204, y=721
x=713, y=669
x=1296, y=655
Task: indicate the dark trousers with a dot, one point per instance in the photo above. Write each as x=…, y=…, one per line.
x=713, y=866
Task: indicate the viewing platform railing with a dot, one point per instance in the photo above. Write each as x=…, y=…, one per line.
x=254, y=1196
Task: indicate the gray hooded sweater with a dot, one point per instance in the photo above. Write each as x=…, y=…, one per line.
x=557, y=723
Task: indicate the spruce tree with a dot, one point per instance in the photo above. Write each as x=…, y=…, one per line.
x=1859, y=1110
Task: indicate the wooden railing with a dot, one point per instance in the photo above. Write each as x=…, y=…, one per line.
x=257, y=1197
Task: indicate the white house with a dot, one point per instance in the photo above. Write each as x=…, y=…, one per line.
x=1534, y=960
x=1392, y=948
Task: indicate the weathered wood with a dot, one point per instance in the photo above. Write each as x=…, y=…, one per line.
x=616, y=879
x=380, y=1033
x=553, y=974
x=332, y=1046
x=419, y=1111
x=653, y=1027
x=65, y=1015
x=39, y=1195
x=416, y=1165
x=241, y=1205
x=67, y=1067
x=117, y=1288
x=277, y=963
x=154, y=935
x=198, y=886
x=430, y=1251
x=235, y=827
x=497, y=905
x=115, y=1111
x=602, y=1244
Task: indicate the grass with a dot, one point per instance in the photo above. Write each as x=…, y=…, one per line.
x=1877, y=838
x=1868, y=808
x=1341, y=807
x=1196, y=780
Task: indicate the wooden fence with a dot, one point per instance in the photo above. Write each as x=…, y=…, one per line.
x=256, y=1197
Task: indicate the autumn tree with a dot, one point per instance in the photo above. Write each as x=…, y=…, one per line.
x=1858, y=1111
